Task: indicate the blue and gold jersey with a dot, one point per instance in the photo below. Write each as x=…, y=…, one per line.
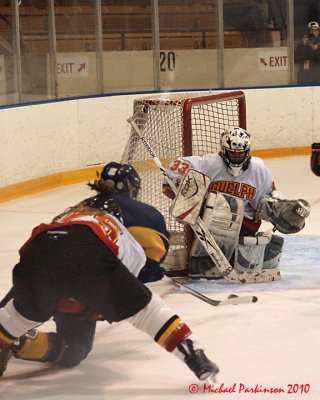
x=146, y=224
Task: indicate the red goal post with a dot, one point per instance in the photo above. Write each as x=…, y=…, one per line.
x=179, y=125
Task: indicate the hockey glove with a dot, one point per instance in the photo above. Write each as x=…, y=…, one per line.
x=151, y=272
x=287, y=216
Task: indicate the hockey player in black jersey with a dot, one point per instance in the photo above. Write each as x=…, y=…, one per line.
x=117, y=190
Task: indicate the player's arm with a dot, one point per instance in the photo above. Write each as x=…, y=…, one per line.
x=179, y=167
x=315, y=158
x=176, y=171
x=155, y=243
x=287, y=216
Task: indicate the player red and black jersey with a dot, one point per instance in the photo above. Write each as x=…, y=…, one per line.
x=108, y=229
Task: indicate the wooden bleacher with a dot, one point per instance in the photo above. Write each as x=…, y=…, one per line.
x=183, y=26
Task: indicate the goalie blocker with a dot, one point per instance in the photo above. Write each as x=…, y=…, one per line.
x=223, y=215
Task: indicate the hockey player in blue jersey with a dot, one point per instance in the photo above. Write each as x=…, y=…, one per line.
x=121, y=183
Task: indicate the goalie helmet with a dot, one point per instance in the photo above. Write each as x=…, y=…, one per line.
x=125, y=178
x=235, y=150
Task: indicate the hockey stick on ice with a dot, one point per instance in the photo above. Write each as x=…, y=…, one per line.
x=205, y=237
x=232, y=298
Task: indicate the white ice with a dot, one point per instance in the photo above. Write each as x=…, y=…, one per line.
x=271, y=344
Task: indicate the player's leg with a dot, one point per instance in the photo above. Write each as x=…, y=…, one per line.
x=273, y=252
x=127, y=298
x=174, y=335
x=47, y=267
x=29, y=303
x=12, y=326
x=6, y=298
x=68, y=346
x=33, y=301
x=77, y=336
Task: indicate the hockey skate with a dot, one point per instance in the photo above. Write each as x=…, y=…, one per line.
x=5, y=355
x=197, y=361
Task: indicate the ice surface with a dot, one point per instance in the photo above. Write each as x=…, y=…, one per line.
x=268, y=345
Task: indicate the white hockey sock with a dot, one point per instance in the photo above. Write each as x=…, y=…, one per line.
x=13, y=322
x=161, y=323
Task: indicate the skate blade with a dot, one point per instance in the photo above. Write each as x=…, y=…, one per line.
x=211, y=379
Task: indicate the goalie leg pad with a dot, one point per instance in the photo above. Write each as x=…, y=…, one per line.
x=273, y=252
x=223, y=215
x=203, y=267
x=249, y=254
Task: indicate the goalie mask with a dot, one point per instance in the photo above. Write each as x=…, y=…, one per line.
x=235, y=150
x=125, y=178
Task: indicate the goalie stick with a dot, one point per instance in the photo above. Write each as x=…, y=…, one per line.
x=205, y=237
x=232, y=299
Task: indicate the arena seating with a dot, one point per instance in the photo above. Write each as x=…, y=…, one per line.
x=183, y=25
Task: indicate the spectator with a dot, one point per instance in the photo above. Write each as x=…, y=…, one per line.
x=307, y=56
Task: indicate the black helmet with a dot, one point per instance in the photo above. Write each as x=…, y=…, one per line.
x=125, y=178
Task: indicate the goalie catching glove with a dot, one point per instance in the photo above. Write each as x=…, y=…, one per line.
x=287, y=216
x=315, y=158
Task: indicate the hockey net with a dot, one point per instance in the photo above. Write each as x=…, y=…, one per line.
x=178, y=125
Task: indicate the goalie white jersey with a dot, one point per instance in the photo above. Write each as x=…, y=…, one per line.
x=252, y=185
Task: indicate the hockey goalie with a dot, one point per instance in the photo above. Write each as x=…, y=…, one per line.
x=232, y=193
